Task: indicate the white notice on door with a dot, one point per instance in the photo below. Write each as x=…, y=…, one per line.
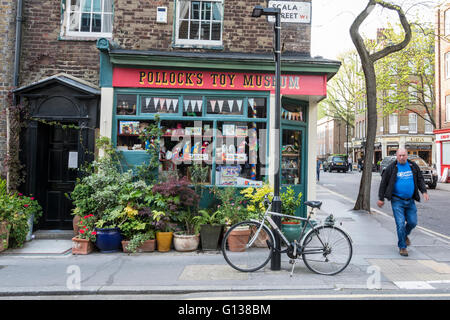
x=73, y=159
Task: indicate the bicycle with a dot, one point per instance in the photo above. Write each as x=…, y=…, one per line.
x=320, y=247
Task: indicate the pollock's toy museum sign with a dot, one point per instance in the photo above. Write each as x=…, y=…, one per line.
x=210, y=80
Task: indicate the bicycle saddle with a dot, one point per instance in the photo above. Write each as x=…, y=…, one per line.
x=314, y=204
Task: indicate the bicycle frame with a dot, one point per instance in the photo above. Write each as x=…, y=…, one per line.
x=267, y=217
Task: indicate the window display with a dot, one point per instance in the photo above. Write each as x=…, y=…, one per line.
x=234, y=150
x=291, y=157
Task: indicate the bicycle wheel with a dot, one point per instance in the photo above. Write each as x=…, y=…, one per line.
x=327, y=250
x=246, y=251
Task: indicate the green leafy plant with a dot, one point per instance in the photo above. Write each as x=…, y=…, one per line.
x=231, y=205
x=207, y=217
x=138, y=239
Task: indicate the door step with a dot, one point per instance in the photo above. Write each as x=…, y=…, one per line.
x=53, y=234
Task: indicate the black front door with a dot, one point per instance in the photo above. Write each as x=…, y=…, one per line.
x=57, y=162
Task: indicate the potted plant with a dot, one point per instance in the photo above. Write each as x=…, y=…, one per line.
x=181, y=205
x=83, y=243
x=16, y=211
x=211, y=227
x=291, y=228
x=164, y=231
x=189, y=238
x=138, y=231
x=233, y=208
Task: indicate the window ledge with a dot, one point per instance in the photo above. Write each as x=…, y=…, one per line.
x=197, y=46
x=78, y=38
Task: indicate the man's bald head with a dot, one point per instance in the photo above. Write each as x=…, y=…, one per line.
x=402, y=155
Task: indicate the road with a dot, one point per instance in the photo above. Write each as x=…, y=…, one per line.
x=432, y=215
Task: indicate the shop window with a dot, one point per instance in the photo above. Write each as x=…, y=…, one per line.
x=159, y=104
x=88, y=18
x=446, y=153
x=239, y=156
x=199, y=22
x=126, y=104
x=225, y=106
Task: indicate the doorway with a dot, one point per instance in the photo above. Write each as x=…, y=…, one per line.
x=57, y=162
x=293, y=146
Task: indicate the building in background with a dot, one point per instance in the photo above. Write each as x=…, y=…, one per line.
x=331, y=137
x=442, y=62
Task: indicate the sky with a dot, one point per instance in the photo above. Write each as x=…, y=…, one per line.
x=331, y=20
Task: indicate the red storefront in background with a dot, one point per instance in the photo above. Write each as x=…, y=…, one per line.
x=443, y=154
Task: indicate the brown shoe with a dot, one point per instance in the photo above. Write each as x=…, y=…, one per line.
x=404, y=252
x=408, y=242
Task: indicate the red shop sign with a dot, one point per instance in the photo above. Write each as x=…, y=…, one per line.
x=174, y=79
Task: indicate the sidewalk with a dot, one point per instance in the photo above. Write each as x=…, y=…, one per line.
x=443, y=186
x=47, y=267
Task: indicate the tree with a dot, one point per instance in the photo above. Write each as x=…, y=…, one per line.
x=368, y=60
x=344, y=91
x=410, y=72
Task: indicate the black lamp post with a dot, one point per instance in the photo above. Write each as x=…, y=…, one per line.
x=259, y=11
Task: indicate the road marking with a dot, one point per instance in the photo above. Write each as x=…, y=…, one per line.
x=329, y=296
x=424, y=230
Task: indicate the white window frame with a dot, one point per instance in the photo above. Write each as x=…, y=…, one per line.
x=393, y=123
x=412, y=121
x=446, y=153
x=198, y=42
x=428, y=128
x=88, y=34
x=447, y=23
x=447, y=65
x=412, y=93
x=447, y=108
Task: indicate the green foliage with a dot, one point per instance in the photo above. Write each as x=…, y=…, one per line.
x=16, y=209
x=405, y=79
x=208, y=217
x=231, y=205
x=138, y=239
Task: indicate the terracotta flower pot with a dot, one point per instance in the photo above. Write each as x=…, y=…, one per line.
x=82, y=246
x=164, y=241
x=75, y=221
x=237, y=239
x=261, y=240
x=4, y=236
x=185, y=242
x=147, y=246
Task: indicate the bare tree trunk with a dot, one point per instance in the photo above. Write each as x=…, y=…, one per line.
x=367, y=62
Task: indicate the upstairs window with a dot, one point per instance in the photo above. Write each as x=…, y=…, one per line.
x=393, y=123
x=412, y=123
x=88, y=18
x=199, y=23
x=447, y=23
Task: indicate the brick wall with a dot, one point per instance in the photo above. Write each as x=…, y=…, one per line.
x=135, y=27
x=7, y=34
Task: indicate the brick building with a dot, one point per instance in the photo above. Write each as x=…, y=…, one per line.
x=331, y=137
x=205, y=67
x=442, y=62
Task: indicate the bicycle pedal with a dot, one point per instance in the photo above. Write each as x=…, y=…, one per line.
x=292, y=261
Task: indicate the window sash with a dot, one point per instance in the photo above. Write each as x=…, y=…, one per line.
x=412, y=123
x=89, y=18
x=199, y=22
x=447, y=23
x=428, y=124
x=393, y=123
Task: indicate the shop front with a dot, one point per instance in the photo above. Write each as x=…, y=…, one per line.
x=214, y=110
x=443, y=154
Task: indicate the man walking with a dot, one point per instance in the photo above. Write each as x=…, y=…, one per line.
x=400, y=184
x=318, y=163
x=350, y=164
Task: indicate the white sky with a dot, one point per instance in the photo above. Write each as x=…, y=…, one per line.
x=331, y=20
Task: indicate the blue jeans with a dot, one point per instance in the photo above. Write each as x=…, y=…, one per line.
x=405, y=214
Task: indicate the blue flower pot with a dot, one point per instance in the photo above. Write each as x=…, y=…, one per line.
x=108, y=239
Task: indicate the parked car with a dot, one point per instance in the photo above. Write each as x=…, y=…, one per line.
x=337, y=163
x=429, y=174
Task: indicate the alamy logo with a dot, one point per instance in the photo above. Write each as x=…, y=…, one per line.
x=74, y=279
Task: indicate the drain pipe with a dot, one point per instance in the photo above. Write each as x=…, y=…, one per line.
x=17, y=51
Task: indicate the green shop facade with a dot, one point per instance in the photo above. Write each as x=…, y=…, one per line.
x=216, y=109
